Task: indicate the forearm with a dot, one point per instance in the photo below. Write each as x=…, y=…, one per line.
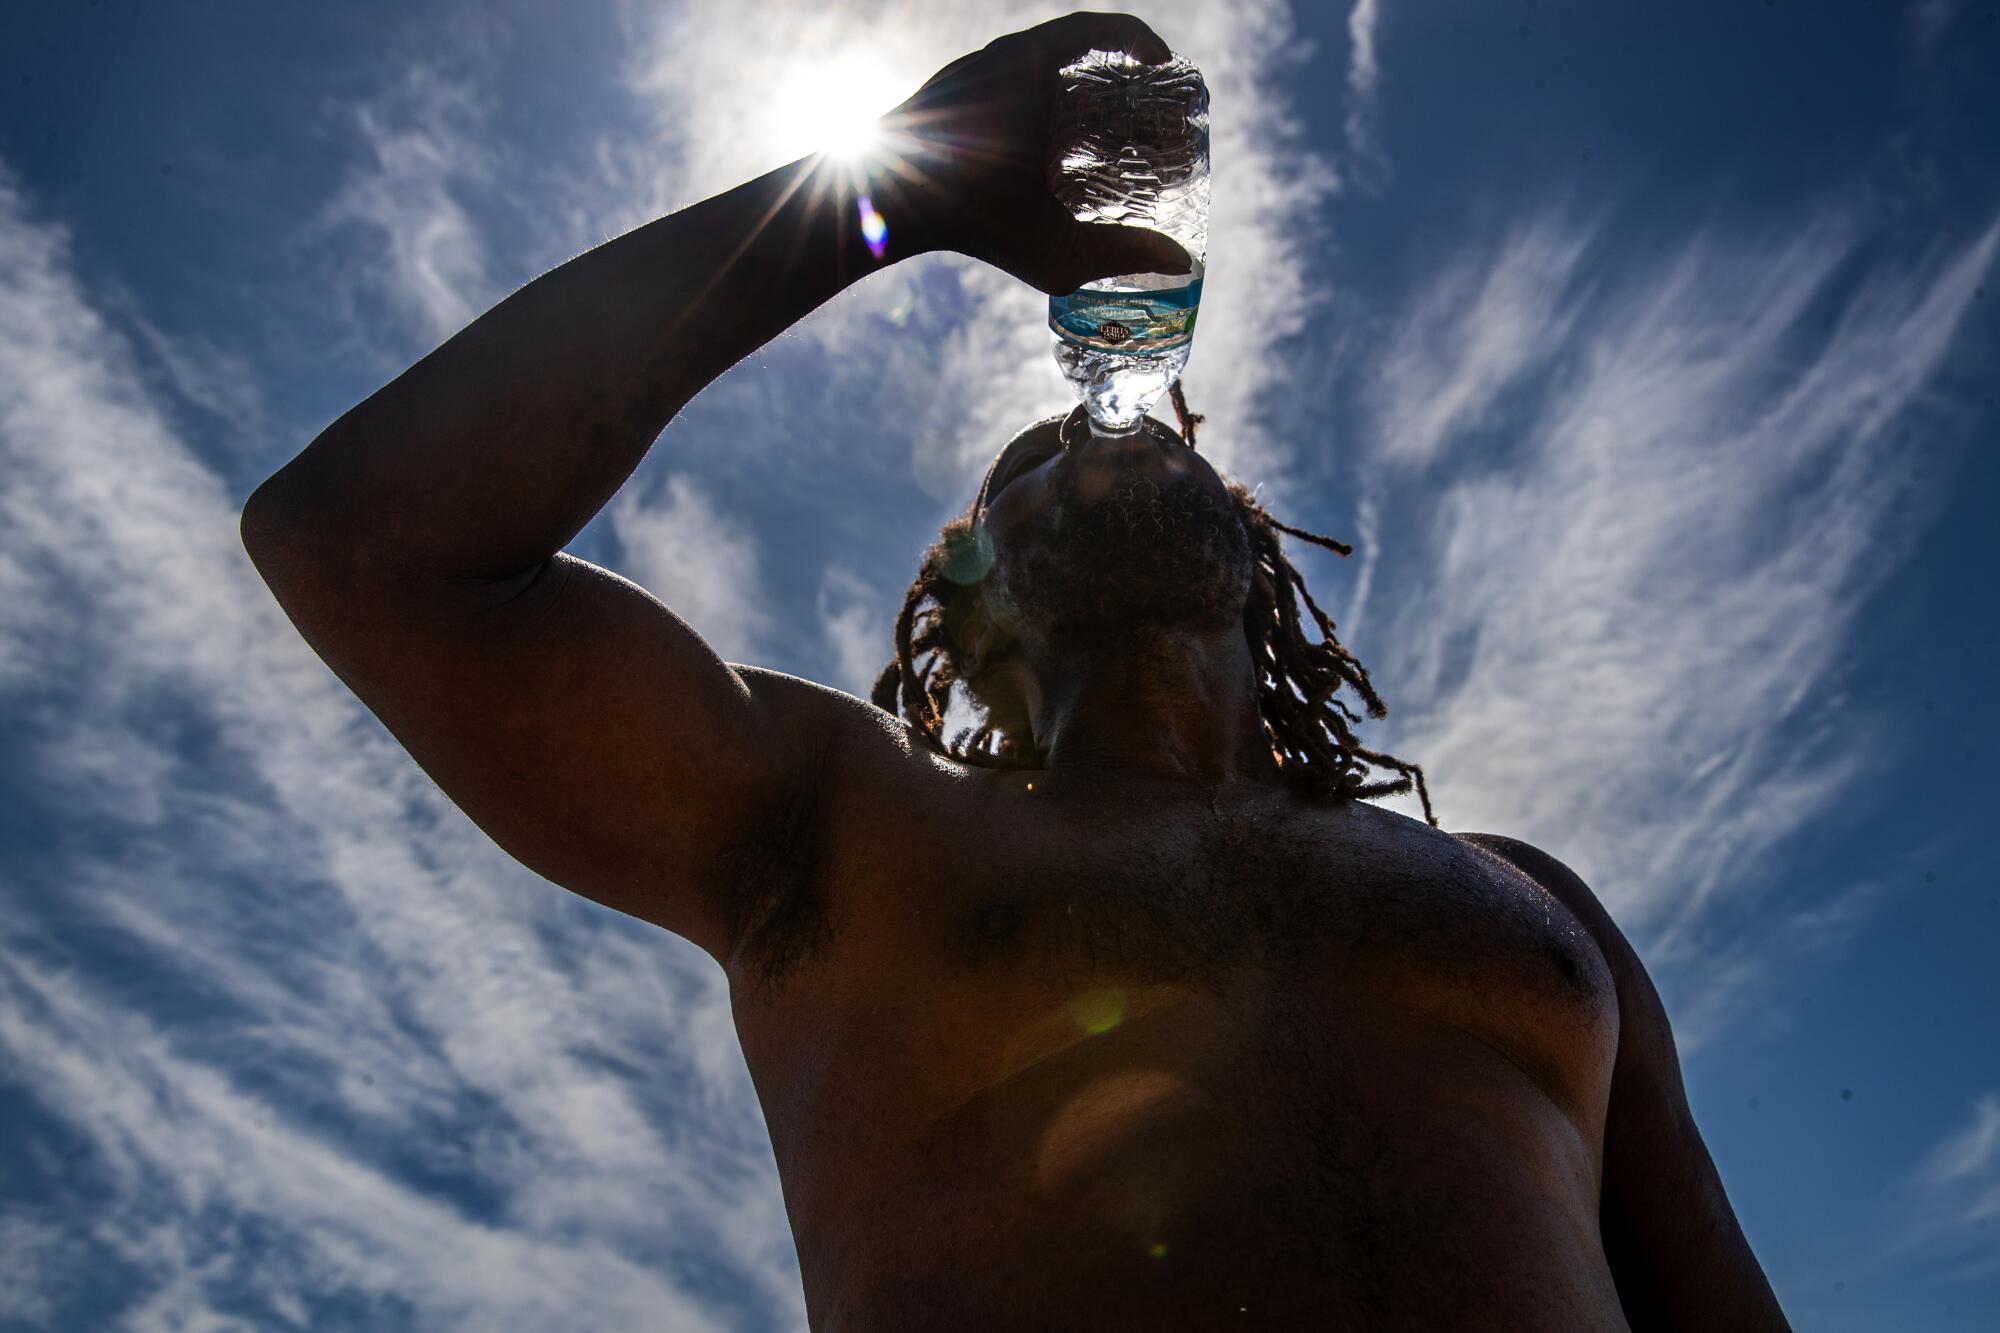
x=491, y=453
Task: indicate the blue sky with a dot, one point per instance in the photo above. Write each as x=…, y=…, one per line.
x=1646, y=353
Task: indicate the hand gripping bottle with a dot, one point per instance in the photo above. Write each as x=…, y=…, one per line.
x=1130, y=145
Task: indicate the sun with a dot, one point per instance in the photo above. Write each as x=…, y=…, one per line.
x=831, y=105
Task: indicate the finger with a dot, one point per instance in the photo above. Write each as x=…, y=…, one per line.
x=1106, y=250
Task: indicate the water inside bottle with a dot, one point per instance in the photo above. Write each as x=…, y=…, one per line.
x=1122, y=342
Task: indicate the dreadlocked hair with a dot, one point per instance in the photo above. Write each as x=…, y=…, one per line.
x=1310, y=727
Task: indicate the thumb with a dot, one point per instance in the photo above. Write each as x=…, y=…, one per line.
x=1108, y=250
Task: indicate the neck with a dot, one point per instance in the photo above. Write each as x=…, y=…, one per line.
x=1165, y=706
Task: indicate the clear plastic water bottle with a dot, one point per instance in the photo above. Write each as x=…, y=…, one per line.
x=1130, y=145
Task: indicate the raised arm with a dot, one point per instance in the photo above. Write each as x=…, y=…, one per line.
x=1673, y=1242
x=416, y=543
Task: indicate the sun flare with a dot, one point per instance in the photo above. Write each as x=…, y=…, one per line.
x=832, y=105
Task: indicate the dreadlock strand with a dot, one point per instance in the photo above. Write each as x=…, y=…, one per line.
x=1315, y=538
x=912, y=685
x=1189, y=420
x=1350, y=669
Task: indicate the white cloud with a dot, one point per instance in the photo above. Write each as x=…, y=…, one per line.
x=181, y=1123
x=375, y=997
x=211, y=378
x=857, y=629
x=1970, y=1154
x=1473, y=332
x=696, y=559
x=1673, y=480
x=36, y=1258
x=424, y=258
x=1368, y=553
x=1368, y=162
x=1956, y=1185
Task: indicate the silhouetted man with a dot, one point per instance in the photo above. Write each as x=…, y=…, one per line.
x=1122, y=1013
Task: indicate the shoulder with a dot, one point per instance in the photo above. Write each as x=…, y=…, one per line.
x=852, y=743
x=1544, y=869
x=1563, y=883
x=1645, y=1034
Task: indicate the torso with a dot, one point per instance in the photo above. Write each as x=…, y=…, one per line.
x=1114, y=1056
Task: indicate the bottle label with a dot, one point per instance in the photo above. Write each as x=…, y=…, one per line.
x=1127, y=323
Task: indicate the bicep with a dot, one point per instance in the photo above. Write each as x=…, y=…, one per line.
x=582, y=725
x=1673, y=1241
x=1670, y=1236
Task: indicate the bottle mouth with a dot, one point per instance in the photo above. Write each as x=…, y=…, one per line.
x=1080, y=427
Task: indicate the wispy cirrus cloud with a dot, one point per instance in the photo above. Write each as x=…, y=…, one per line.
x=1653, y=492
x=1956, y=1183
x=1969, y=1155
x=1479, y=328
x=857, y=625
x=421, y=256
x=350, y=1052
x=695, y=558
x=1368, y=161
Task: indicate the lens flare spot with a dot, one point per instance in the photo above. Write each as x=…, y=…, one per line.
x=968, y=555
x=1099, y=1120
x=1158, y=1251
x=874, y=230
x=1098, y=1010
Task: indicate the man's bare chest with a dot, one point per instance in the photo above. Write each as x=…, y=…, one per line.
x=1049, y=913
x=1178, y=894
x=1088, y=1035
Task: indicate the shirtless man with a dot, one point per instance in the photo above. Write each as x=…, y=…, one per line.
x=1142, y=1035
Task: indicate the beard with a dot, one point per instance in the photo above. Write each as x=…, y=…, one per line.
x=1144, y=557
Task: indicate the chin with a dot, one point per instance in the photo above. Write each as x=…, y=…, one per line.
x=1146, y=558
